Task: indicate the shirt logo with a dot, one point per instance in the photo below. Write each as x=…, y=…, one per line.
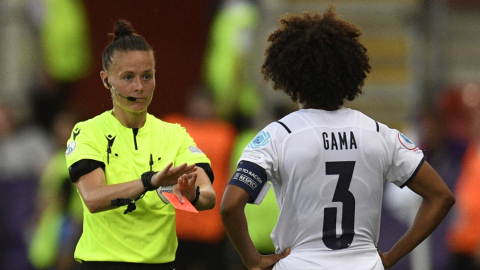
x=110, y=140
x=195, y=150
x=75, y=133
x=406, y=142
x=262, y=139
x=70, y=148
x=252, y=155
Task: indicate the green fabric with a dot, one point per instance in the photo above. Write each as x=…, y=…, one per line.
x=44, y=246
x=65, y=40
x=43, y=249
x=226, y=61
x=261, y=218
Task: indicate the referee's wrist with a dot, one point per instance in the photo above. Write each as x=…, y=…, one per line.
x=197, y=196
x=147, y=181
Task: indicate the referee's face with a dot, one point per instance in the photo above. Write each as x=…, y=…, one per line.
x=132, y=80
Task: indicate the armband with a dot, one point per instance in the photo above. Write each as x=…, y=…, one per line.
x=208, y=170
x=82, y=167
x=251, y=178
x=147, y=181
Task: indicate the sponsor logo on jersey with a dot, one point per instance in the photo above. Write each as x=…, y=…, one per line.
x=406, y=142
x=70, y=148
x=252, y=155
x=75, y=133
x=195, y=150
x=111, y=140
x=262, y=139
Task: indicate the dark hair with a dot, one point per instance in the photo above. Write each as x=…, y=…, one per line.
x=124, y=39
x=316, y=59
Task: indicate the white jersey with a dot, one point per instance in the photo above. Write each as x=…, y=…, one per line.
x=328, y=170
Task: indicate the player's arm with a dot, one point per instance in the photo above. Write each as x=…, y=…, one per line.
x=98, y=196
x=232, y=210
x=437, y=201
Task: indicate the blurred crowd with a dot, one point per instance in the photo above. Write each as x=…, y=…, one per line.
x=45, y=49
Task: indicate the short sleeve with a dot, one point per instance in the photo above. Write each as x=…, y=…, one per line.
x=188, y=151
x=82, y=145
x=405, y=158
x=263, y=151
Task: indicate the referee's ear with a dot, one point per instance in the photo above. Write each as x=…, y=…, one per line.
x=104, y=77
x=208, y=170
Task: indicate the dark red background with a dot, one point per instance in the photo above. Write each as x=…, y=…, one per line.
x=177, y=31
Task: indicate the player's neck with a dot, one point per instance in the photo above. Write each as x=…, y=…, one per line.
x=306, y=106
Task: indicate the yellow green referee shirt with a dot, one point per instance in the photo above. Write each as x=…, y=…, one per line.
x=146, y=235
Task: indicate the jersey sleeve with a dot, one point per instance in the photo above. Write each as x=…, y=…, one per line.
x=262, y=152
x=188, y=151
x=82, y=145
x=405, y=157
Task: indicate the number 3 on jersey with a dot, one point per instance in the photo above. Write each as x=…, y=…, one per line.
x=344, y=170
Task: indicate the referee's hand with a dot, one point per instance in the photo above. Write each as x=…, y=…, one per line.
x=185, y=187
x=169, y=175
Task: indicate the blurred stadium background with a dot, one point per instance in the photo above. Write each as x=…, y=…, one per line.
x=50, y=61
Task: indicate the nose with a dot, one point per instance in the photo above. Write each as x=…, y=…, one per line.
x=138, y=84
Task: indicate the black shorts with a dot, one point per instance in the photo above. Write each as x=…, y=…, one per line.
x=124, y=266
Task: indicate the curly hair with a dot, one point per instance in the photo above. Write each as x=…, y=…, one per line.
x=316, y=59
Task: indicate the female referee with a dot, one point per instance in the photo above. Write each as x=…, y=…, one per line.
x=123, y=159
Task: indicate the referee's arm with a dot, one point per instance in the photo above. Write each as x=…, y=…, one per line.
x=207, y=198
x=97, y=195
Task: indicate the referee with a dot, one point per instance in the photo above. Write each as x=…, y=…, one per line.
x=123, y=159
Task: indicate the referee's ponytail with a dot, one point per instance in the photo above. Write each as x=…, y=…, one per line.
x=124, y=39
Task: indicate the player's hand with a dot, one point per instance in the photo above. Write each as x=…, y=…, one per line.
x=268, y=261
x=385, y=259
x=186, y=187
x=169, y=175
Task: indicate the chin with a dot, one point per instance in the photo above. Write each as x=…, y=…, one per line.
x=138, y=108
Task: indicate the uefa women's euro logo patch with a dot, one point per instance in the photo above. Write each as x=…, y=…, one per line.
x=262, y=139
x=406, y=142
x=70, y=148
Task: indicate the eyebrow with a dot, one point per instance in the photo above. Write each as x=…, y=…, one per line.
x=150, y=71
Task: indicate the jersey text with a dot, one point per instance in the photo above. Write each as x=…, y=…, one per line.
x=339, y=141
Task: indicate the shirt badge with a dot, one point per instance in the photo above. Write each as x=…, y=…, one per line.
x=406, y=142
x=70, y=148
x=262, y=139
x=195, y=150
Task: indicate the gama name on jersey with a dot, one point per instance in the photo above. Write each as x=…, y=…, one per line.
x=339, y=140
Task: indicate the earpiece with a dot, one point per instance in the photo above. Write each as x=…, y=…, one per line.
x=113, y=88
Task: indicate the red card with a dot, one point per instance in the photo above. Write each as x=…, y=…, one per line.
x=187, y=206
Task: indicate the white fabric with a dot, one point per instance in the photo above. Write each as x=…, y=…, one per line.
x=296, y=164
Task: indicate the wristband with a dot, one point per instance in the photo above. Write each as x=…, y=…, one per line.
x=197, y=196
x=147, y=181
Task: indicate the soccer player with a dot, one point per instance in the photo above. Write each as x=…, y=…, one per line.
x=122, y=160
x=328, y=164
